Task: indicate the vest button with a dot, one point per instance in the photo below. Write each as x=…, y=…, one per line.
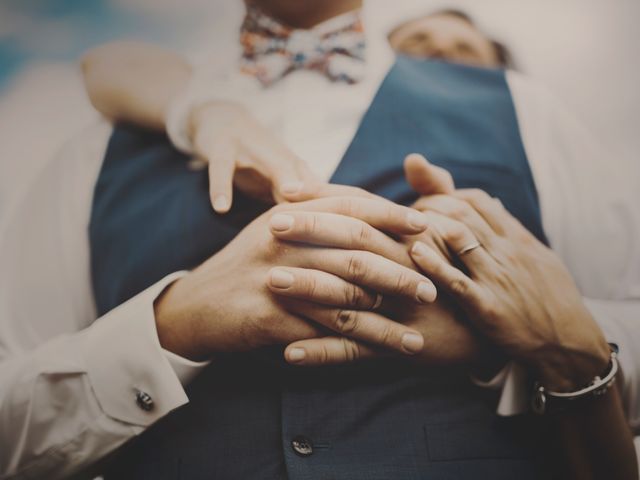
x=302, y=446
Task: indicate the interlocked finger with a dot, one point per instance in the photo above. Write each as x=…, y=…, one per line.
x=337, y=231
x=370, y=271
x=448, y=277
x=316, y=352
x=377, y=212
x=460, y=210
x=460, y=240
x=320, y=287
x=369, y=327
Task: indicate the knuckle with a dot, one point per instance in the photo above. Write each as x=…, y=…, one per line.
x=403, y=282
x=391, y=212
x=346, y=206
x=510, y=252
x=357, y=268
x=354, y=296
x=459, y=210
x=420, y=204
x=351, y=350
x=459, y=286
x=310, y=224
x=310, y=287
x=360, y=234
x=323, y=354
x=457, y=233
x=346, y=321
x=387, y=335
x=490, y=310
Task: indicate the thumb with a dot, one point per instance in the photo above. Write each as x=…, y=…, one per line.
x=425, y=178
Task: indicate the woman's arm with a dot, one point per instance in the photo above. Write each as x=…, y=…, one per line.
x=134, y=82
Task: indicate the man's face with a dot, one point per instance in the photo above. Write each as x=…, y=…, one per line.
x=446, y=37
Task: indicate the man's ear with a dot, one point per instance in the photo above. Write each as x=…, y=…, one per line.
x=425, y=178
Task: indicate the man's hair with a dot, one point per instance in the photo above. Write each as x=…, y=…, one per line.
x=503, y=54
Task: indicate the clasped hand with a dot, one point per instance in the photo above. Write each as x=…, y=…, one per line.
x=312, y=274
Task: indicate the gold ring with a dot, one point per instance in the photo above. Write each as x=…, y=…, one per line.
x=469, y=248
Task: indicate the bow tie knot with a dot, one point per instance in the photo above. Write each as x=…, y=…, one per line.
x=272, y=50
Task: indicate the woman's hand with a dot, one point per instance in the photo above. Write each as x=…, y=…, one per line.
x=514, y=288
x=240, y=151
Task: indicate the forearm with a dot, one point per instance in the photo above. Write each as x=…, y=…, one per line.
x=134, y=82
x=592, y=440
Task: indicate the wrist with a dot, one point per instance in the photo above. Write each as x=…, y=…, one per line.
x=177, y=332
x=569, y=368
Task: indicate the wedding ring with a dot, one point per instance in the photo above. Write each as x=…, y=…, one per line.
x=378, y=302
x=469, y=248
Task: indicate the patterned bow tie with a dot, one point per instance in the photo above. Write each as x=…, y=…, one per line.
x=271, y=50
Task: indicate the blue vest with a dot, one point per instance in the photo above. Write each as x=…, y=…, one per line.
x=378, y=420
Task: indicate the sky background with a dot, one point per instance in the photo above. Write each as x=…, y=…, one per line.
x=587, y=51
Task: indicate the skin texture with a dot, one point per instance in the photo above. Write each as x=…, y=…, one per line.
x=446, y=37
x=209, y=311
x=515, y=289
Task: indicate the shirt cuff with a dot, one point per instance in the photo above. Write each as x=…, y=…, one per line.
x=185, y=369
x=125, y=361
x=514, y=382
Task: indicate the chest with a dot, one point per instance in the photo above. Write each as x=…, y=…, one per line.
x=147, y=201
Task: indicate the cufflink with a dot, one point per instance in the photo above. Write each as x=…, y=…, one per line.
x=144, y=401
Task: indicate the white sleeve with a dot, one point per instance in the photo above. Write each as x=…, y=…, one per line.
x=68, y=387
x=213, y=79
x=73, y=399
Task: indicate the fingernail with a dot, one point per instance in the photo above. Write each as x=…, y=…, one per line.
x=281, y=278
x=291, y=188
x=296, y=354
x=419, y=249
x=281, y=223
x=412, y=342
x=417, y=220
x=426, y=292
x=220, y=203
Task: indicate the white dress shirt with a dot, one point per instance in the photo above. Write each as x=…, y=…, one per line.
x=68, y=385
